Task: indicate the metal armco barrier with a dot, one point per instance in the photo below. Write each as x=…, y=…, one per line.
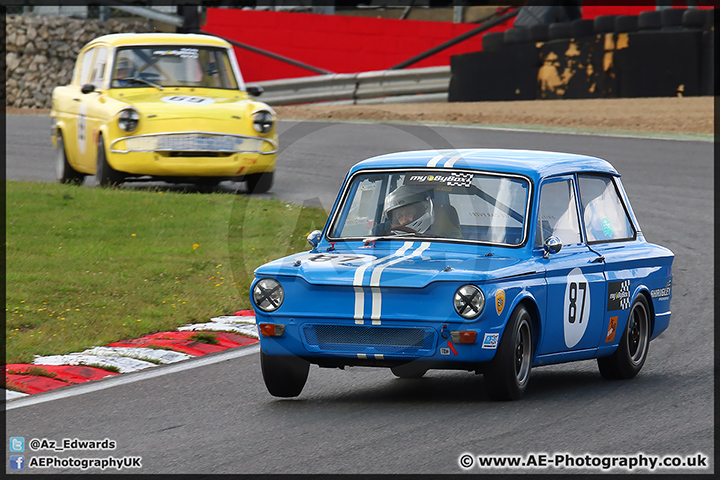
x=385, y=86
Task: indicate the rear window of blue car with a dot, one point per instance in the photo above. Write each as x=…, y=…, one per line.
x=604, y=214
x=448, y=205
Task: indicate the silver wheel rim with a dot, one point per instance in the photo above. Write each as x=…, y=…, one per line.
x=637, y=333
x=523, y=351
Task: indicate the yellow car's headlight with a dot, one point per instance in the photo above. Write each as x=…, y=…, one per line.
x=128, y=119
x=263, y=121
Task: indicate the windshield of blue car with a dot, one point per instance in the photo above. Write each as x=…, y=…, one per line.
x=449, y=205
x=173, y=66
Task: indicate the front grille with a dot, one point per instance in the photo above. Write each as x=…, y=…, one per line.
x=351, y=338
x=194, y=142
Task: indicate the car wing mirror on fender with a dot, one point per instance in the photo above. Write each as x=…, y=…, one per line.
x=314, y=238
x=255, y=90
x=87, y=88
x=552, y=245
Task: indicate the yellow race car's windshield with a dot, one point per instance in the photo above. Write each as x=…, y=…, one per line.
x=173, y=66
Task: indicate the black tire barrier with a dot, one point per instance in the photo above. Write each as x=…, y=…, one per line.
x=707, y=63
x=539, y=32
x=493, y=41
x=560, y=31
x=650, y=20
x=516, y=35
x=604, y=23
x=614, y=65
x=583, y=28
x=659, y=64
x=507, y=74
x=572, y=69
x=626, y=24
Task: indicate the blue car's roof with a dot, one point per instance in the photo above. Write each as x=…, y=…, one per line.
x=535, y=164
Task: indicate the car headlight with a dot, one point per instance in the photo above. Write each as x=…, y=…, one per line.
x=263, y=121
x=469, y=301
x=128, y=119
x=268, y=294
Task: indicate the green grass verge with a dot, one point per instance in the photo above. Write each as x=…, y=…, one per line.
x=89, y=266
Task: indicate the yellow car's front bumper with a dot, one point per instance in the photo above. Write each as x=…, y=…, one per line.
x=193, y=154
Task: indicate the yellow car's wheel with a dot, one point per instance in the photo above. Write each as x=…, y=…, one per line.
x=63, y=171
x=105, y=175
x=259, y=182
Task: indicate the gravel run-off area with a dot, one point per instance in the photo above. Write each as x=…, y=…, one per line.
x=669, y=115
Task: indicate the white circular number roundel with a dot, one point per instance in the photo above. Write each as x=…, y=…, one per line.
x=576, y=307
x=187, y=100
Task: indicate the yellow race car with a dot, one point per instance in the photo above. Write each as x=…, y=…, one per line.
x=159, y=106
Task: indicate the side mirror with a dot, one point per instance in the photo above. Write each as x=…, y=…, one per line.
x=314, y=238
x=552, y=245
x=255, y=90
x=87, y=88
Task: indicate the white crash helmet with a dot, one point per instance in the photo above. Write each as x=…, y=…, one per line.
x=406, y=195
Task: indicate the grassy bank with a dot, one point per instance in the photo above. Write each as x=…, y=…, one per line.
x=89, y=266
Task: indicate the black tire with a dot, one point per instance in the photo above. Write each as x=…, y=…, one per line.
x=671, y=18
x=284, y=376
x=629, y=358
x=604, y=24
x=493, y=41
x=63, y=171
x=516, y=35
x=539, y=32
x=560, y=31
x=694, y=18
x=650, y=20
x=259, y=182
x=583, y=27
x=626, y=24
x=105, y=175
x=507, y=374
x=409, y=370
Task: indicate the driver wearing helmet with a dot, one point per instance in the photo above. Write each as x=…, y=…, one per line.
x=123, y=71
x=409, y=207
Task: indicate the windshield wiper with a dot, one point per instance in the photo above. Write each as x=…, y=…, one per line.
x=411, y=234
x=142, y=80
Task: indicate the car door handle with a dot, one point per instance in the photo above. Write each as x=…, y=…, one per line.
x=77, y=99
x=598, y=259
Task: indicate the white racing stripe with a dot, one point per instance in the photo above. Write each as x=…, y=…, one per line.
x=375, y=281
x=358, y=281
x=451, y=163
x=435, y=160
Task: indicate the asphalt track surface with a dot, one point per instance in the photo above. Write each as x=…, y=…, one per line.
x=218, y=418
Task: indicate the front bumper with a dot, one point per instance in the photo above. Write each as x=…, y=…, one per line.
x=339, y=343
x=193, y=154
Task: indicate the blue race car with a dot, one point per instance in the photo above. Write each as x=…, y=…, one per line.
x=486, y=260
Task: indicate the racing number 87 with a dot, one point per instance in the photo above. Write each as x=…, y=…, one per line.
x=573, y=294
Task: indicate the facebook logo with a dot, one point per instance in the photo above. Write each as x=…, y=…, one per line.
x=17, y=462
x=17, y=444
